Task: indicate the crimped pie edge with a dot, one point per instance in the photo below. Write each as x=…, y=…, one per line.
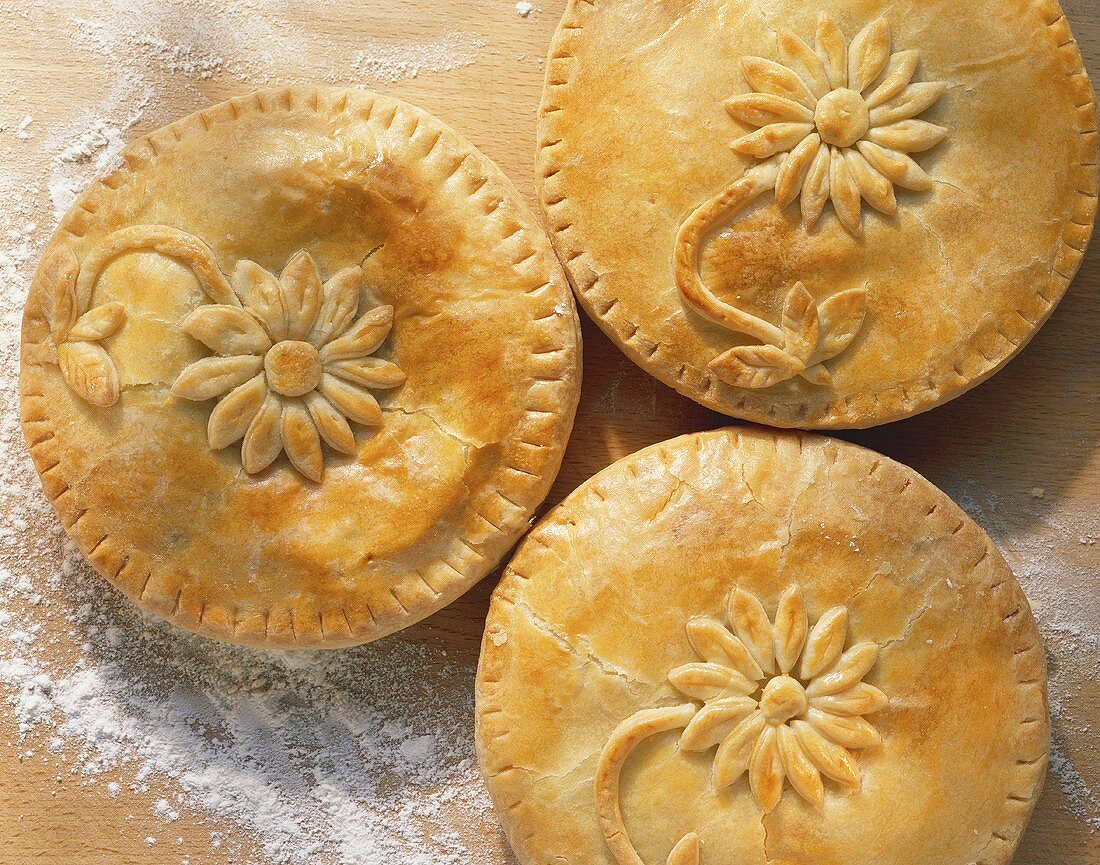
x=904, y=399
x=514, y=491
x=1029, y=661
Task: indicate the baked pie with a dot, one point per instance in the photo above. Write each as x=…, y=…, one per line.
x=819, y=215
x=761, y=646
x=300, y=370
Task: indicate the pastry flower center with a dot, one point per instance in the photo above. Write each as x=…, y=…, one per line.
x=842, y=117
x=783, y=699
x=293, y=367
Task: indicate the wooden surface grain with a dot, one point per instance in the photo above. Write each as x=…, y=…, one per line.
x=1032, y=427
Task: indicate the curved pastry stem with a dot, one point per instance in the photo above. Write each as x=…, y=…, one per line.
x=625, y=738
x=165, y=240
x=689, y=241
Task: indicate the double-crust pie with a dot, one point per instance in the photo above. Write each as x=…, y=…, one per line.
x=752, y=646
x=299, y=371
x=818, y=215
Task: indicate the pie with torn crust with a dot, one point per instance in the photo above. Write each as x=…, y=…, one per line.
x=300, y=370
x=818, y=215
x=750, y=646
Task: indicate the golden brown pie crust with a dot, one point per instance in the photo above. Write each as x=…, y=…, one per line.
x=648, y=122
x=898, y=630
x=379, y=288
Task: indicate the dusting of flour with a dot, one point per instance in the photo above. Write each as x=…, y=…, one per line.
x=384, y=61
x=1060, y=584
x=364, y=755
x=262, y=42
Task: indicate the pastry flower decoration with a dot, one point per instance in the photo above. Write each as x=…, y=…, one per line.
x=76, y=330
x=781, y=702
x=807, y=715
x=837, y=123
x=844, y=118
x=291, y=366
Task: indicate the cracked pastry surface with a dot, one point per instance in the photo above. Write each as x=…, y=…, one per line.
x=762, y=647
x=299, y=371
x=824, y=215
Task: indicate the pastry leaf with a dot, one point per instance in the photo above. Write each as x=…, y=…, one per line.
x=755, y=366
x=89, y=371
x=801, y=327
x=99, y=323
x=686, y=852
x=818, y=374
x=841, y=318
x=59, y=270
x=302, y=292
x=848, y=671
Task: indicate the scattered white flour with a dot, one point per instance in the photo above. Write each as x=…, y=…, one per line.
x=92, y=144
x=365, y=755
x=262, y=43
x=1061, y=587
x=165, y=811
x=393, y=61
x=524, y=8
x=22, y=130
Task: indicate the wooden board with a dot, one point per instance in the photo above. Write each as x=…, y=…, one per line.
x=1032, y=428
